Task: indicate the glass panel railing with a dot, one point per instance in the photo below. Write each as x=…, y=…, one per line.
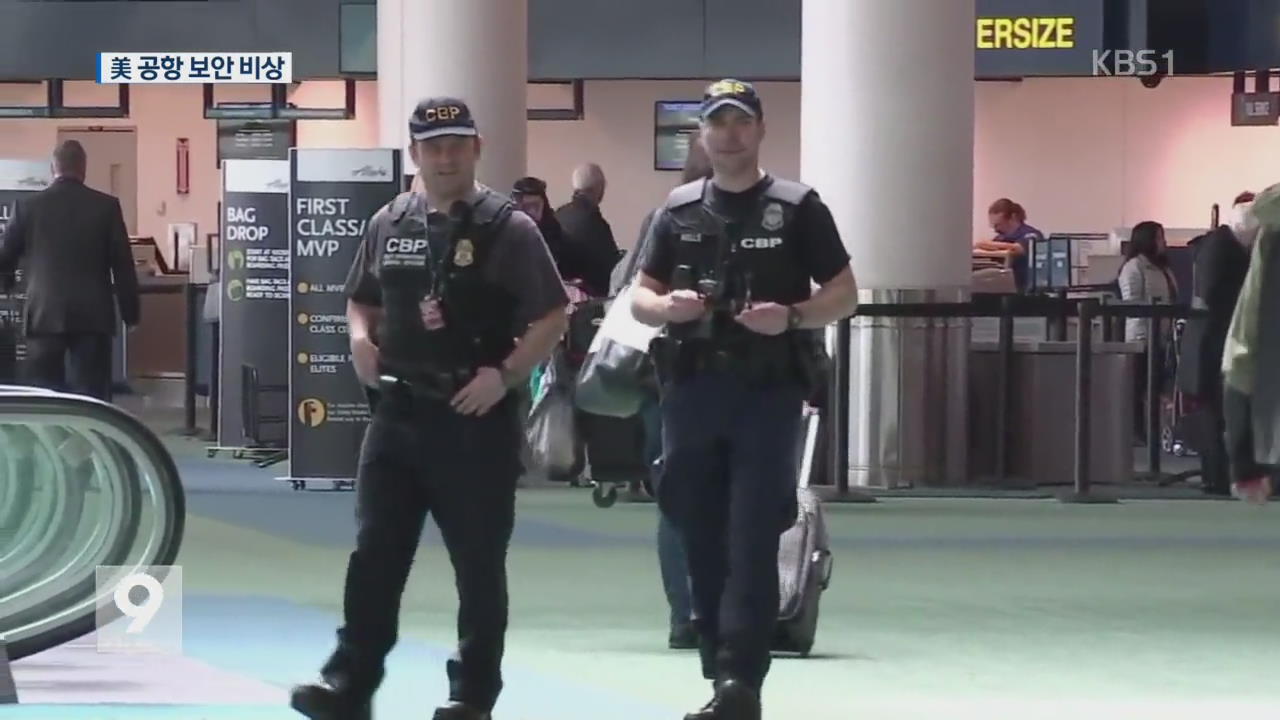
x=82, y=485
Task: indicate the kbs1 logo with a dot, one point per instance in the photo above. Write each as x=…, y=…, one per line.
x=1132, y=63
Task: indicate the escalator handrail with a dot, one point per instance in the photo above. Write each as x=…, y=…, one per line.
x=27, y=400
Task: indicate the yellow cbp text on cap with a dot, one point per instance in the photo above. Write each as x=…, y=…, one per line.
x=728, y=87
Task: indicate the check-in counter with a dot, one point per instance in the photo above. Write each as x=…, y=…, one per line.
x=1040, y=425
x=156, y=349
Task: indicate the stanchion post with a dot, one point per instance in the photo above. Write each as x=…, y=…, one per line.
x=1108, y=327
x=838, y=448
x=844, y=338
x=1083, y=490
x=1152, y=395
x=1084, y=392
x=193, y=347
x=1002, y=389
x=1060, y=315
x=215, y=379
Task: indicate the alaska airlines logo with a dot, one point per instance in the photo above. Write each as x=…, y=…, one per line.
x=278, y=184
x=32, y=182
x=369, y=171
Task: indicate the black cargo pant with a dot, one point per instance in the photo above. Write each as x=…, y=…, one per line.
x=729, y=478
x=420, y=457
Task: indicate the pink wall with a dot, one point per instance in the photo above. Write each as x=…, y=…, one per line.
x=617, y=133
x=1080, y=155
x=1086, y=155
x=161, y=115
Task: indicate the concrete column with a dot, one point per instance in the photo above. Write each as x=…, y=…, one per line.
x=887, y=137
x=476, y=50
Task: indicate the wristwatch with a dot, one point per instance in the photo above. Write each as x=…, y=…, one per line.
x=794, y=318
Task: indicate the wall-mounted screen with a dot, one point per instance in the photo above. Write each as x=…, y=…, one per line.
x=357, y=38
x=249, y=139
x=675, y=123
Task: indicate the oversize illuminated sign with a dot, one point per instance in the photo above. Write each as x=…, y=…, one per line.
x=1029, y=38
x=1022, y=33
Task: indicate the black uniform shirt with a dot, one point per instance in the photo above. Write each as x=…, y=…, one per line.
x=519, y=261
x=818, y=251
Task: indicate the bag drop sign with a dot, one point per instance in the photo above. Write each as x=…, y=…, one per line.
x=255, y=299
x=18, y=179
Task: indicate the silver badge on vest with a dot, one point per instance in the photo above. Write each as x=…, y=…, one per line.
x=773, y=217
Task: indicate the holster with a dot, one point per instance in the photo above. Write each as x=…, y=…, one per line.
x=812, y=363
x=662, y=353
x=424, y=384
x=762, y=362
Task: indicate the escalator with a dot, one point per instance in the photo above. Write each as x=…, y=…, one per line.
x=82, y=485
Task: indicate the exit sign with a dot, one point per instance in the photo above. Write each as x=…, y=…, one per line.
x=1255, y=108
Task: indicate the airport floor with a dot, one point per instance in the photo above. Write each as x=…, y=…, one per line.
x=939, y=607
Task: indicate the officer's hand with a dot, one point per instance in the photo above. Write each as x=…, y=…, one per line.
x=364, y=355
x=1256, y=491
x=684, y=306
x=764, y=318
x=482, y=393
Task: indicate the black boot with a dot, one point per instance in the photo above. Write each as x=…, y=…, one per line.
x=733, y=700
x=682, y=637
x=459, y=711
x=328, y=700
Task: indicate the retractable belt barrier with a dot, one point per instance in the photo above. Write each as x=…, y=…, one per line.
x=1054, y=309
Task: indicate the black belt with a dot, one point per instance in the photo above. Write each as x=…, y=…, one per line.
x=425, y=385
x=752, y=362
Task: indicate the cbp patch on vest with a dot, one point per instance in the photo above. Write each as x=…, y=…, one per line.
x=772, y=219
x=464, y=254
x=405, y=252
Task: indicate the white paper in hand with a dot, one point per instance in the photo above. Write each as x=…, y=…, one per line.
x=621, y=326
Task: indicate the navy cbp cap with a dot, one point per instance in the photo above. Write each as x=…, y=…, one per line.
x=733, y=93
x=439, y=116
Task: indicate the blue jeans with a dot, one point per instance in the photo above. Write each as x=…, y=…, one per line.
x=671, y=555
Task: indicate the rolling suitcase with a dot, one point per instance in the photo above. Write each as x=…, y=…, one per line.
x=804, y=559
x=615, y=447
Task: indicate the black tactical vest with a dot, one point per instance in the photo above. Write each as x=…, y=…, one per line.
x=445, y=259
x=736, y=260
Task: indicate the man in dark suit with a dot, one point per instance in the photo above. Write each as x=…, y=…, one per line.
x=589, y=237
x=1221, y=262
x=72, y=245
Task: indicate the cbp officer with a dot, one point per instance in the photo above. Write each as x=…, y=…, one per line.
x=444, y=283
x=729, y=274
